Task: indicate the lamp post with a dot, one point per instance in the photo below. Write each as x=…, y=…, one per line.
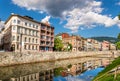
x=20, y=43
x=68, y=47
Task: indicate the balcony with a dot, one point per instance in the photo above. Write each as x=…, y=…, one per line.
x=52, y=30
x=48, y=29
x=43, y=27
x=43, y=33
x=52, y=35
x=48, y=33
x=48, y=40
x=42, y=44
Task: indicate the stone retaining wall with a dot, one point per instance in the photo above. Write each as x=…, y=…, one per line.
x=11, y=58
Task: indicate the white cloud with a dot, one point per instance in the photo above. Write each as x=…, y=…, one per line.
x=46, y=19
x=79, y=14
x=1, y=25
x=73, y=78
x=118, y=3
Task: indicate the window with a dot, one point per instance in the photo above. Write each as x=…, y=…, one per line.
x=18, y=21
x=36, y=26
x=29, y=32
x=36, y=47
x=36, y=40
x=14, y=27
x=36, y=34
x=33, y=26
x=17, y=46
x=29, y=24
x=18, y=29
x=29, y=39
x=29, y=47
x=14, y=21
x=33, y=33
x=24, y=46
x=25, y=31
x=17, y=38
x=33, y=40
x=25, y=39
x=21, y=30
x=32, y=47
x=25, y=23
x=13, y=38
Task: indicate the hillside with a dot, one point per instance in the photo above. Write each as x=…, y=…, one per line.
x=110, y=39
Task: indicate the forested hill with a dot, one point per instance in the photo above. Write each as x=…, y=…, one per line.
x=110, y=39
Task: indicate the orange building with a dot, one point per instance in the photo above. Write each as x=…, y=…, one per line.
x=65, y=35
x=76, y=42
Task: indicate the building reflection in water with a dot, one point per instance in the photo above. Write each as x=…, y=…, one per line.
x=47, y=71
x=41, y=76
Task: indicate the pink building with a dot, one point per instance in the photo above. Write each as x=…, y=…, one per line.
x=105, y=45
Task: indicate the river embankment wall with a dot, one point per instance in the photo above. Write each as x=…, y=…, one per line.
x=13, y=58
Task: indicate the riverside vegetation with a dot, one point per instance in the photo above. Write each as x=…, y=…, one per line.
x=107, y=74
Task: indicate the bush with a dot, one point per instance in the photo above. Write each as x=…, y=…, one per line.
x=69, y=66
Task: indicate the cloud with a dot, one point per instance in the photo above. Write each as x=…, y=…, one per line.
x=79, y=14
x=1, y=24
x=118, y=3
x=52, y=7
x=46, y=19
x=73, y=78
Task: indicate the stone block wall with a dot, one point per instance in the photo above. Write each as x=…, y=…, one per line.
x=12, y=58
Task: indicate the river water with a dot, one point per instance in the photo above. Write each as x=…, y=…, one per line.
x=86, y=76
x=80, y=69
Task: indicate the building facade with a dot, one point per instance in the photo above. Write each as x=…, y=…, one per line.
x=1, y=40
x=46, y=37
x=105, y=45
x=75, y=41
x=22, y=33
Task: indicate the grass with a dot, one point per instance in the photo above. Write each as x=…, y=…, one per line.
x=102, y=74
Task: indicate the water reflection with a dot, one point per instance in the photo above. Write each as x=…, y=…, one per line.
x=86, y=76
x=50, y=71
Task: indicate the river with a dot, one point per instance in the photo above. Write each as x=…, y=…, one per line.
x=80, y=69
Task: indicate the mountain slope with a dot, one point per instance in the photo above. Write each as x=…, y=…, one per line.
x=110, y=39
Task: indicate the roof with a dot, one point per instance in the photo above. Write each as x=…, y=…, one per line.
x=27, y=18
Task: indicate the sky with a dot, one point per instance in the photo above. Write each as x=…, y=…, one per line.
x=87, y=18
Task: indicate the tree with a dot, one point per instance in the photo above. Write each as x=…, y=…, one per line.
x=118, y=45
x=118, y=37
x=69, y=47
x=119, y=16
x=58, y=45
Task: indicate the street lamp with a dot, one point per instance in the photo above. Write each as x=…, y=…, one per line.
x=20, y=43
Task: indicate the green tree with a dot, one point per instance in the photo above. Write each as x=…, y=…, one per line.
x=118, y=37
x=58, y=45
x=118, y=45
x=69, y=47
x=119, y=16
